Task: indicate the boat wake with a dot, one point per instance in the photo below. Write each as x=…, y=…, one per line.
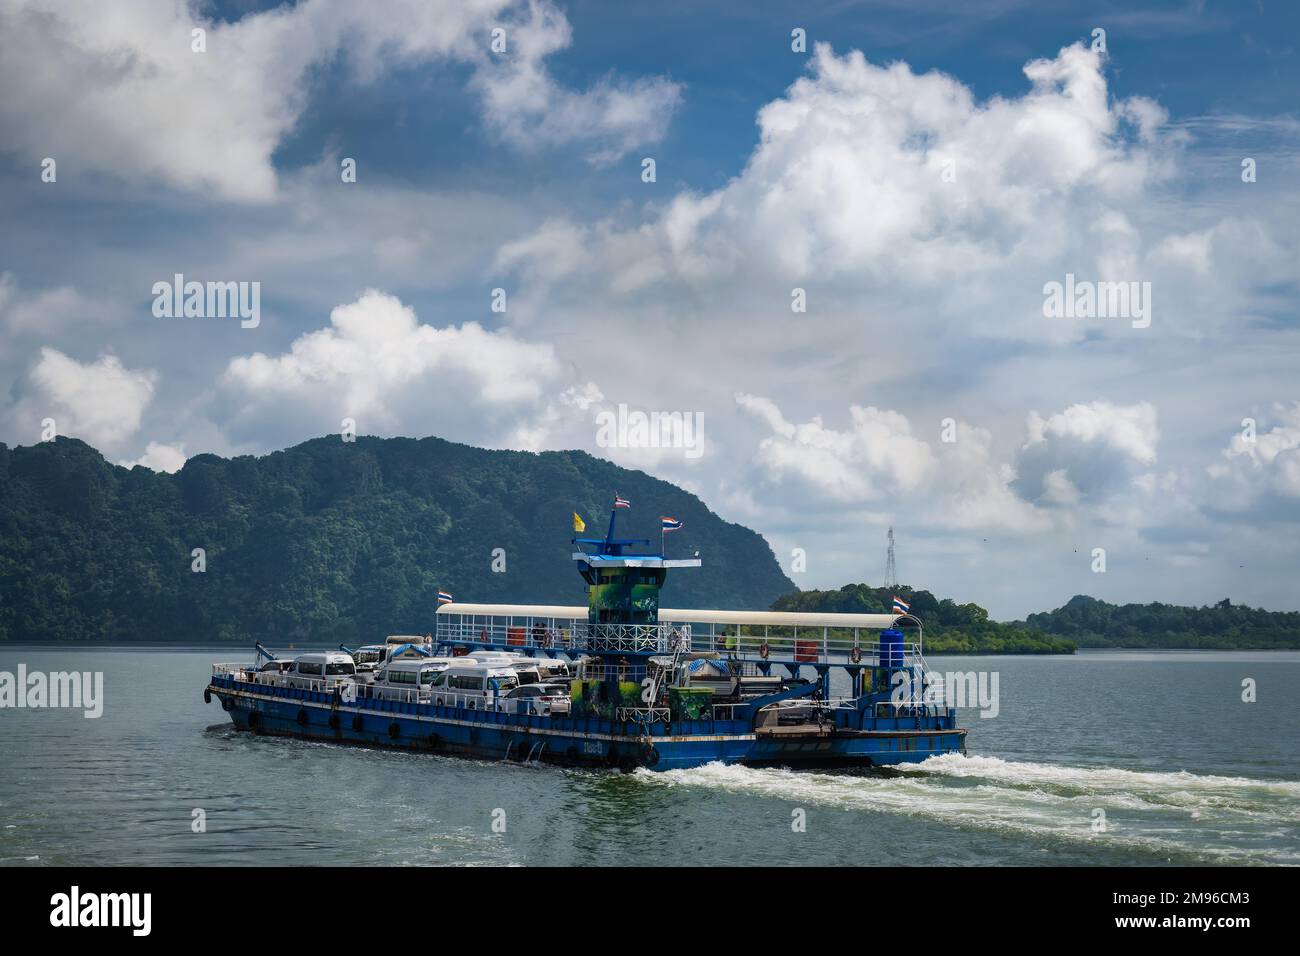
x=1179, y=816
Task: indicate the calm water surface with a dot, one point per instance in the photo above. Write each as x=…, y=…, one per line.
x=1184, y=771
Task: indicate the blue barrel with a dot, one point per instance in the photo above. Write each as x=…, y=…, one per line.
x=891, y=648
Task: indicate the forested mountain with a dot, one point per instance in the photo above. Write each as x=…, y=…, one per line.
x=1093, y=623
x=328, y=540
x=950, y=628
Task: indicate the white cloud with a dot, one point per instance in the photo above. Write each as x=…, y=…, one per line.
x=116, y=88
x=1086, y=451
x=377, y=364
x=877, y=455
x=879, y=461
x=45, y=312
x=973, y=491
x=847, y=183
x=1130, y=430
x=525, y=104
x=100, y=402
x=160, y=457
x=1268, y=463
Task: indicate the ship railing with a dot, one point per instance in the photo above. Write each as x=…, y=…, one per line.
x=819, y=648
x=566, y=635
x=440, y=698
x=726, y=711
x=803, y=645
x=406, y=695
x=910, y=708
x=825, y=703
x=643, y=715
x=733, y=667
x=637, y=638
x=622, y=673
x=503, y=630
x=322, y=685
x=771, y=713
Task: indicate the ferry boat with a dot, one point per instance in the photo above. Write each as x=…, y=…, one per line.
x=621, y=683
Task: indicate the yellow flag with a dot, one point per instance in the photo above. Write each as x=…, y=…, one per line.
x=578, y=523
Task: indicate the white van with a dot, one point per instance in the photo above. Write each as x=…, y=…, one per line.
x=399, y=677
x=330, y=667
x=541, y=670
x=531, y=670
x=368, y=660
x=477, y=685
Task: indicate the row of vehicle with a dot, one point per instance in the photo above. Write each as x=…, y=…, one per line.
x=489, y=680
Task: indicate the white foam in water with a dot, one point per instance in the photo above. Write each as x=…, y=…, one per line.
x=1151, y=812
x=1098, y=778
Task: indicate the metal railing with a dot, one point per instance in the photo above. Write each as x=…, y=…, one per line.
x=524, y=706
x=643, y=715
x=658, y=638
x=811, y=645
x=812, y=650
x=623, y=673
x=570, y=636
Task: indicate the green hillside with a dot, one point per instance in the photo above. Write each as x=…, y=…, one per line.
x=328, y=540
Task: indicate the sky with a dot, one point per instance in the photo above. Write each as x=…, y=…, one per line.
x=835, y=238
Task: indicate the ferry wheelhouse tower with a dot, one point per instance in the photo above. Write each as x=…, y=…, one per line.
x=623, y=596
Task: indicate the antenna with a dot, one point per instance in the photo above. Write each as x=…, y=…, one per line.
x=891, y=569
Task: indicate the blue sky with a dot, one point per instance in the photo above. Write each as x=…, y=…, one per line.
x=822, y=171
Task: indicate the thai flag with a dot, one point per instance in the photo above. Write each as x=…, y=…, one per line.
x=670, y=524
x=444, y=598
x=621, y=502
x=901, y=606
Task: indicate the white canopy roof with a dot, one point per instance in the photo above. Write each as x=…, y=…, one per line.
x=518, y=610
x=778, y=618
x=578, y=612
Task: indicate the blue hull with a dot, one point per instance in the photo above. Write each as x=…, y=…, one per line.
x=575, y=741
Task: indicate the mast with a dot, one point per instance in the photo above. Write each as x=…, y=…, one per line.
x=891, y=569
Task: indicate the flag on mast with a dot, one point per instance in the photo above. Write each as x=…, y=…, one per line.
x=445, y=598
x=901, y=606
x=669, y=524
x=578, y=524
x=621, y=502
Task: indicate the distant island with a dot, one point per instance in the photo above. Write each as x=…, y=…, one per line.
x=950, y=628
x=1224, y=625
